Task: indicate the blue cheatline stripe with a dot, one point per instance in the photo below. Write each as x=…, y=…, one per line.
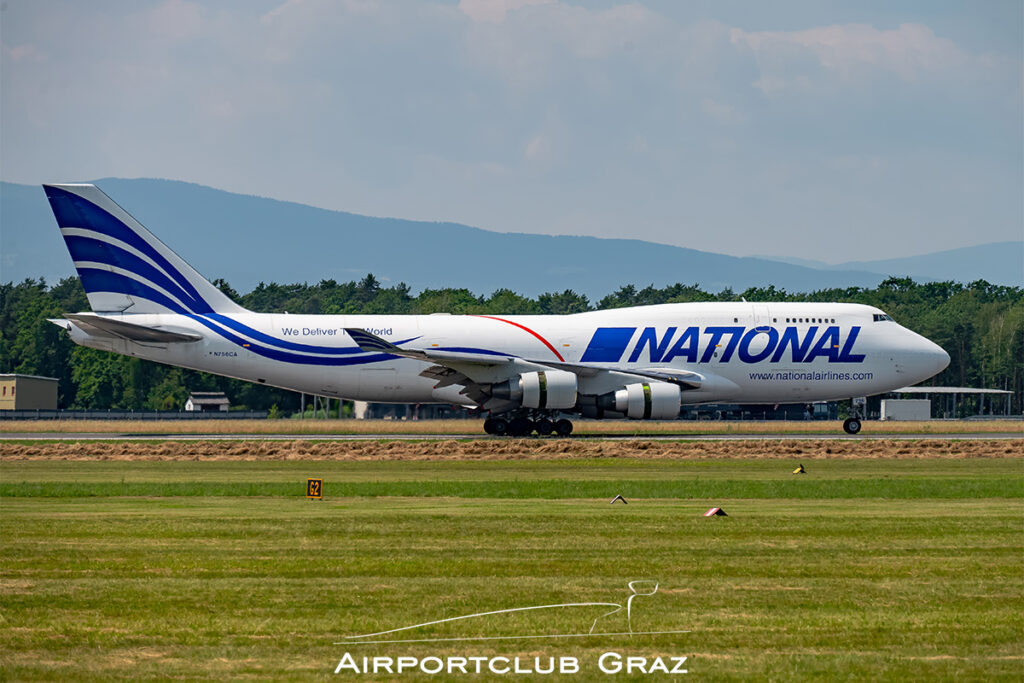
x=285, y=356
x=97, y=251
x=72, y=211
x=105, y=281
x=282, y=343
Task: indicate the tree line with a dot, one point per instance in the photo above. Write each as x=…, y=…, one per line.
x=980, y=325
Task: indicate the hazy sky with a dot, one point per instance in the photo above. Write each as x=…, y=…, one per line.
x=832, y=131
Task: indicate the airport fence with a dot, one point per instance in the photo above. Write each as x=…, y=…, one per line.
x=131, y=415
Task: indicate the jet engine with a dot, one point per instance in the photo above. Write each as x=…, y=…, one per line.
x=551, y=389
x=643, y=401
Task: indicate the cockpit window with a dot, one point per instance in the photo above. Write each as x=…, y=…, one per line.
x=879, y=317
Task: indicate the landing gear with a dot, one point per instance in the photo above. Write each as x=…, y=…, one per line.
x=526, y=423
x=520, y=426
x=496, y=426
x=858, y=407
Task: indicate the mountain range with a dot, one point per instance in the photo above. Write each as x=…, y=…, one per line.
x=246, y=240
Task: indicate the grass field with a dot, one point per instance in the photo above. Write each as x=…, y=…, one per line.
x=866, y=569
x=583, y=427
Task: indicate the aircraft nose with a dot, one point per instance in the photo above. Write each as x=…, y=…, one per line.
x=941, y=358
x=927, y=358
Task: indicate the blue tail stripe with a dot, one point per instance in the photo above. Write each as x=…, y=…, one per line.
x=101, y=280
x=104, y=281
x=95, y=280
x=88, y=249
x=98, y=251
x=73, y=211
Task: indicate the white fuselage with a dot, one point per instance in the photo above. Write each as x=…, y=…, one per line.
x=744, y=352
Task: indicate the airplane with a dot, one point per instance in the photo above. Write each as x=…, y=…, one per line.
x=528, y=373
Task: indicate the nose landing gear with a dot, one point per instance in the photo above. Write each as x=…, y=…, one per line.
x=852, y=424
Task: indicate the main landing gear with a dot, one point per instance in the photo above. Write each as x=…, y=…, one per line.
x=525, y=425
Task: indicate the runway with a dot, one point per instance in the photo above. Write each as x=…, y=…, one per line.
x=94, y=436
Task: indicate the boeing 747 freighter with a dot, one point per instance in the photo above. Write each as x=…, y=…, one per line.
x=528, y=373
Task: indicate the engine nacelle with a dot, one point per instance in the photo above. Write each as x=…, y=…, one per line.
x=643, y=401
x=550, y=389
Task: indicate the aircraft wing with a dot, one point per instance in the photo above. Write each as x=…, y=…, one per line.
x=371, y=342
x=451, y=367
x=100, y=326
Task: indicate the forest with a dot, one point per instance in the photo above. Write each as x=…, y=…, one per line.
x=980, y=325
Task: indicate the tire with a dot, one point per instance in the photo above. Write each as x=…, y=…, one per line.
x=520, y=426
x=489, y=425
x=499, y=427
x=545, y=427
x=851, y=425
x=563, y=427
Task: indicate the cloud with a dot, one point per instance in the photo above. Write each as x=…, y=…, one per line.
x=909, y=51
x=175, y=20
x=21, y=52
x=721, y=112
x=494, y=11
x=519, y=115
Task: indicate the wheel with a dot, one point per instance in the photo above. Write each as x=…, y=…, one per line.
x=489, y=425
x=563, y=427
x=545, y=426
x=851, y=425
x=499, y=427
x=520, y=426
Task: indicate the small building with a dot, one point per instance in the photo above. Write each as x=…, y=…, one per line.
x=207, y=402
x=958, y=394
x=906, y=409
x=28, y=392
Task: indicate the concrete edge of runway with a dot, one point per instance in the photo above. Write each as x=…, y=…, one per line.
x=93, y=436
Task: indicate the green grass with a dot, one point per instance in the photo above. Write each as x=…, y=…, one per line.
x=565, y=479
x=198, y=578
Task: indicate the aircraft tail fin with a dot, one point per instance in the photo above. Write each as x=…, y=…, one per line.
x=123, y=266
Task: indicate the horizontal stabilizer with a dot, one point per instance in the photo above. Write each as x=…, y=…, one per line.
x=100, y=326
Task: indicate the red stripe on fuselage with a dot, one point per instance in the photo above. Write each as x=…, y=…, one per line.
x=524, y=327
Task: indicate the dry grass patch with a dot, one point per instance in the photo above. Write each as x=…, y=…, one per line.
x=510, y=449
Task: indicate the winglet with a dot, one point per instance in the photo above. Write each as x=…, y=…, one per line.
x=370, y=342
